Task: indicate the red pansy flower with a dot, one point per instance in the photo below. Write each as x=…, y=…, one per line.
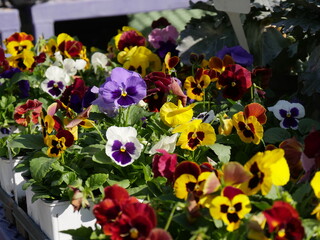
x=30, y=111
x=284, y=222
x=164, y=165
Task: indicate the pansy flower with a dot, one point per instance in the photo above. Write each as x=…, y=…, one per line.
x=77, y=96
x=19, y=42
x=267, y=168
x=164, y=165
x=196, y=85
x=284, y=221
x=288, y=113
x=58, y=143
x=56, y=81
x=170, y=62
x=139, y=59
x=248, y=129
x=23, y=61
x=70, y=66
x=238, y=54
x=230, y=207
x=315, y=184
x=108, y=210
x=235, y=81
x=99, y=61
x=129, y=37
x=195, y=134
x=122, y=89
x=173, y=115
x=167, y=143
x=193, y=182
x=122, y=146
x=28, y=112
x=69, y=47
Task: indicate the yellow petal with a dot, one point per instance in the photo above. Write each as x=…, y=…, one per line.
x=180, y=185
x=315, y=184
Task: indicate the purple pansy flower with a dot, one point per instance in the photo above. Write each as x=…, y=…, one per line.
x=123, y=146
x=288, y=113
x=238, y=54
x=122, y=89
x=9, y=73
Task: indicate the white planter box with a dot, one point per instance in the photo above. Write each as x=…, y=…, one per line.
x=56, y=216
x=11, y=182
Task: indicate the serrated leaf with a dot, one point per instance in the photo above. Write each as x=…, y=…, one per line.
x=39, y=167
x=275, y=135
x=28, y=141
x=96, y=180
x=223, y=152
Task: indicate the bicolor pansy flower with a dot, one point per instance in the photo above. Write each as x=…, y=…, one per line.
x=195, y=182
x=288, y=113
x=23, y=61
x=19, y=42
x=28, y=112
x=195, y=134
x=56, y=81
x=122, y=146
x=267, y=168
x=230, y=207
x=128, y=37
x=284, y=222
x=196, y=85
x=139, y=59
x=249, y=123
x=58, y=143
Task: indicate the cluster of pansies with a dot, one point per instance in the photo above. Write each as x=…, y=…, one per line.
x=166, y=149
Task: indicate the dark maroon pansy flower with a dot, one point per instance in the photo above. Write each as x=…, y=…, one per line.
x=72, y=48
x=160, y=23
x=235, y=81
x=129, y=39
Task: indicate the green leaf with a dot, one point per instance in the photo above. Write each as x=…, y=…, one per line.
x=306, y=125
x=311, y=227
x=262, y=205
x=223, y=152
x=135, y=114
x=125, y=183
x=207, y=35
x=96, y=180
x=93, y=149
x=28, y=141
x=101, y=157
x=276, y=135
x=39, y=167
x=82, y=233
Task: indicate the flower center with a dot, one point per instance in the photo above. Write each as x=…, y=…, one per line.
x=288, y=114
x=231, y=209
x=123, y=93
x=122, y=149
x=55, y=85
x=233, y=84
x=134, y=233
x=282, y=232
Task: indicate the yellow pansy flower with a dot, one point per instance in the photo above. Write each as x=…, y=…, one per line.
x=194, y=134
x=173, y=115
x=267, y=168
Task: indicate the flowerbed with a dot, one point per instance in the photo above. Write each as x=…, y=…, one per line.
x=167, y=144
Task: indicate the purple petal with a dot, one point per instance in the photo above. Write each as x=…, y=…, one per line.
x=130, y=147
x=126, y=101
x=294, y=112
x=50, y=84
x=116, y=145
x=283, y=113
x=290, y=122
x=122, y=158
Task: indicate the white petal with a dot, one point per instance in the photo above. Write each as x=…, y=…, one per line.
x=121, y=133
x=300, y=107
x=70, y=67
x=59, y=59
x=167, y=143
x=80, y=64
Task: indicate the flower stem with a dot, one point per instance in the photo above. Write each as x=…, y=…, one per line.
x=170, y=217
x=99, y=132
